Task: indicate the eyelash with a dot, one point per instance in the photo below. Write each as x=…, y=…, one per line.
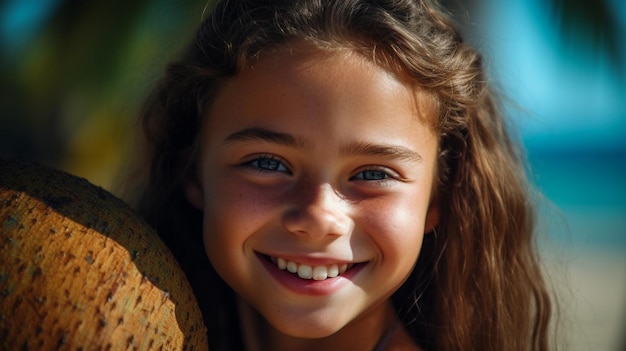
x=256, y=164
x=386, y=173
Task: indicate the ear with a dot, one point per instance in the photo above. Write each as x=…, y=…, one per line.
x=432, y=216
x=194, y=193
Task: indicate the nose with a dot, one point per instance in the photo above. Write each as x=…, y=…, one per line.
x=318, y=212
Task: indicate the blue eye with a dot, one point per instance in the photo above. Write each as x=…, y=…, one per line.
x=267, y=164
x=372, y=175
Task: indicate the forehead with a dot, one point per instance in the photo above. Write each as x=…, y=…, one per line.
x=308, y=63
x=304, y=54
x=322, y=100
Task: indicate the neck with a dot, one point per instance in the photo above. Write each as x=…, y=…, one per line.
x=361, y=334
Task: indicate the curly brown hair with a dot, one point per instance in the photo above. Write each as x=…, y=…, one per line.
x=477, y=284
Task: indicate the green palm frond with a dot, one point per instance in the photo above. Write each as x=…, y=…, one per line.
x=591, y=25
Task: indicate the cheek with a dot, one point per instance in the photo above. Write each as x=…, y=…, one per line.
x=397, y=228
x=232, y=214
x=229, y=218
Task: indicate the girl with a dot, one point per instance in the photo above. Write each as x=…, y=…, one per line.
x=336, y=175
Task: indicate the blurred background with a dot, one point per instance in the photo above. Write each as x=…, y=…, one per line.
x=73, y=75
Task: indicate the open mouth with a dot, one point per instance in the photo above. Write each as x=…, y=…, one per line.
x=310, y=272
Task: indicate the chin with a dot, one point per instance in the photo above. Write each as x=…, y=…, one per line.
x=307, y=328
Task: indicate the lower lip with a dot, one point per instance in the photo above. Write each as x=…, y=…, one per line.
x=312, y=287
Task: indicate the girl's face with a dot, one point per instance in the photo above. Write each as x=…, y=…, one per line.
x=315, y=177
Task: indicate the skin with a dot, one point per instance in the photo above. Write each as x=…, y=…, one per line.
x=318, y=156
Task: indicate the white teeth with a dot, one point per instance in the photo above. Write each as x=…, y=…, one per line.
x=311, y=272
x=305, y=272
x=320, y=273
x=292, y=267
x=281, y=263
x=343, y=268
x=333, y=271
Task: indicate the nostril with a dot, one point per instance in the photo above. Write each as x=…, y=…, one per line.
x=317, y=222
x=318, y=211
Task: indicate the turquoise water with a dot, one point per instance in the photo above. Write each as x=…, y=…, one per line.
x=586, y=193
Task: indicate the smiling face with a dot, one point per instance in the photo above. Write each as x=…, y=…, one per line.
x=315, y=175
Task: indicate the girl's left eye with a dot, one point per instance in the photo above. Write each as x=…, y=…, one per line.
x=376, y=175
x=371, y=175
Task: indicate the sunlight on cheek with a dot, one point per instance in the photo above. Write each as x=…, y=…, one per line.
x=400, y=226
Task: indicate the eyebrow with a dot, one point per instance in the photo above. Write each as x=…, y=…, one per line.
x=256, y=133
x=396, y=152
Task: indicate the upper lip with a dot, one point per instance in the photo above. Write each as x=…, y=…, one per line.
x=309, y=260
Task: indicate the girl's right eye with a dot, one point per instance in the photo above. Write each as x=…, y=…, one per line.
x=267, y=164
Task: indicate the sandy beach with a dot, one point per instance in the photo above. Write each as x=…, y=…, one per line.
x=591, y=288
